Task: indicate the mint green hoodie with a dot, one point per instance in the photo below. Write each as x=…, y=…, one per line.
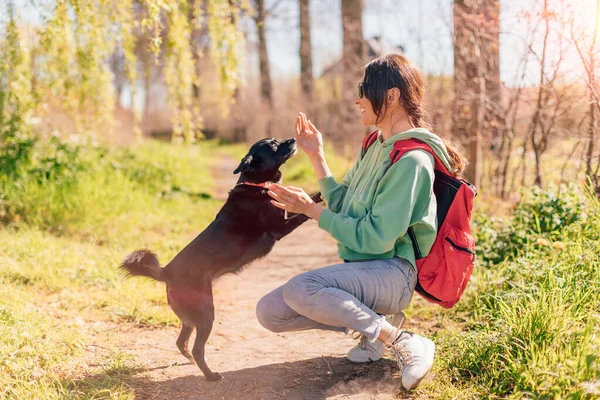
x=370, y=211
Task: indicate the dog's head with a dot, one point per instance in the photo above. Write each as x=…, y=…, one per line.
x=264, y=158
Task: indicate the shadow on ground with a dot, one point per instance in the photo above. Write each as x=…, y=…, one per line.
x=316, y=378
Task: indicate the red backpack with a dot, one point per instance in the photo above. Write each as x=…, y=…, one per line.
x=443, y=273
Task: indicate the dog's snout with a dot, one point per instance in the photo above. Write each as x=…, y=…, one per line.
x=293, y=140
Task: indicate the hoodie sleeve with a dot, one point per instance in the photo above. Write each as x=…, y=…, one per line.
x=407, y=186
x=334, y=192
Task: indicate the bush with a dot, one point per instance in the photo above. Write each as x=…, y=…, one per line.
x=539, y=219
x=54, y=184
x=533, y=330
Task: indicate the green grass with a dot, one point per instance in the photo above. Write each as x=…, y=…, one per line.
x=528, y=326
x=120, y=185
x=32, y=345
x=106, y=381
x=64, y=235
x=58, y=257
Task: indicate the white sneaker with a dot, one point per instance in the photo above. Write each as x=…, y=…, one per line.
x=414, y=355
x=366, y=351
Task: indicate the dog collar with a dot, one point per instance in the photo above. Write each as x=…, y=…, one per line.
x=265, y=185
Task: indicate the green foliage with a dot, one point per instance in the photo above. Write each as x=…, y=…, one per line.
x=16, y=99
x=180, y=74
x=227, y=45
x=74, y=77
x=550, y=210
x=61, y=185
x=530, y=323
x=70, y=75
x=538, y=219
x=61, y=292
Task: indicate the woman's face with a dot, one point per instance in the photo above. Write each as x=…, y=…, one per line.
x=368, y=116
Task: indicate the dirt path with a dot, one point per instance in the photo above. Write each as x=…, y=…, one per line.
x=256, y=363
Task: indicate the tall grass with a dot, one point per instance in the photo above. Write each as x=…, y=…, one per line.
x=71, y=213
x=529, y=326
x=85, y=188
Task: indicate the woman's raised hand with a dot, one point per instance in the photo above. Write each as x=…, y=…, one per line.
x=308, y=137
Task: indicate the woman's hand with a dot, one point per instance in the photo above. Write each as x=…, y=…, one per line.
x=294, y=200
x=308, y=137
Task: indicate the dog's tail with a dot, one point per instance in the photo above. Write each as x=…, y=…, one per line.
x=143, y=262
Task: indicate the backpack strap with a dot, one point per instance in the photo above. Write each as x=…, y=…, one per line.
x=367, y=142
x=413, y=239
x=402, y=147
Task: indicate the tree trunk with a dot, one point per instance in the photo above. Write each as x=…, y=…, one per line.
x=239, y=123
x=147, y=85
x=195, y=35
x=265, y=73
x=595, y=105
x=353, y=58
x=536, y=122
x=593, y=126
x=592, y=129
x=477, y=114
x=306, y=74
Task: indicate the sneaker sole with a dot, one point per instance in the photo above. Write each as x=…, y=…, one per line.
x=362, y=360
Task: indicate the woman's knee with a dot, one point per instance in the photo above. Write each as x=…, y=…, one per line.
x=268, y=313
x=298, y=292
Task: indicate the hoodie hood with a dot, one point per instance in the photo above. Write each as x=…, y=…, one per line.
x=424, y=135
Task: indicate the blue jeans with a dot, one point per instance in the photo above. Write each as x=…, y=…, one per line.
x=349, y=296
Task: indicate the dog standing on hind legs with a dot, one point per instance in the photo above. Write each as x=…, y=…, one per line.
x=245, y=229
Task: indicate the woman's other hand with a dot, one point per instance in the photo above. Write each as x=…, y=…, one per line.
x=295, y=200
x=308, y=137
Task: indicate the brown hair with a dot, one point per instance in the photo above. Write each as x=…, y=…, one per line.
x=395, y=71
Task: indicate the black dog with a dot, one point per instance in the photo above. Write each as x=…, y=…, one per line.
x=245, y=229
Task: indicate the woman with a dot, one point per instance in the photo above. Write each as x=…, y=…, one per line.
x=368, y=213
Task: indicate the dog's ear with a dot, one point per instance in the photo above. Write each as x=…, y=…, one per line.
x=245, y=165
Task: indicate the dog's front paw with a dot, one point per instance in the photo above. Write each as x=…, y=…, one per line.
x=317, y=197
x=214, y=376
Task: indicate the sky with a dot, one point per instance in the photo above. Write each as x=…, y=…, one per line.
x=422, y=27
x=398, y=22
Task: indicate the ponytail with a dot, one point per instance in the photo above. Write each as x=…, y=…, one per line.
x=458, y=162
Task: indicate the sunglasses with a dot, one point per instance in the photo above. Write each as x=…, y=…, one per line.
x=361, y=90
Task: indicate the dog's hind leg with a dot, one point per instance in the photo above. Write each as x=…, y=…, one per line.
x=203, y=318
x=182, y=340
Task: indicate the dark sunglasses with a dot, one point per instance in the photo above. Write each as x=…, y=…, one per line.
x=361, y=90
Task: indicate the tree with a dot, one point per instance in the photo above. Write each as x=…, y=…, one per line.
x=589, y=58
x=16, y=99
x=306, y=74
x=353, y=57
x=76, y=38
x=239, y=123
x=477, y=113
x=265, y=73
